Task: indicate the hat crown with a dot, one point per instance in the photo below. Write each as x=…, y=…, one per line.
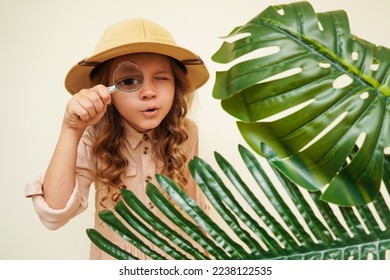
x=135, y=36
x=132, y=31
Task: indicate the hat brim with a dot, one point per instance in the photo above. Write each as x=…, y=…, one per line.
x=79, y=76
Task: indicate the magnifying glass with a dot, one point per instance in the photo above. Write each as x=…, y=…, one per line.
x=127, y=76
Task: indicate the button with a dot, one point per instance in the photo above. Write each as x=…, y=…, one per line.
x=148, y=179
x=151, y=205
x=146, y=150
x=146, y=137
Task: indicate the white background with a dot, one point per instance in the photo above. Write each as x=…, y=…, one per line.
x=41, y=39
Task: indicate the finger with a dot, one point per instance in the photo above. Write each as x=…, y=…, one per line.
x=88, y=103
x=76, y=110
x=96, y=101
x=104, y=94
x=92, y=100
x=85, y=107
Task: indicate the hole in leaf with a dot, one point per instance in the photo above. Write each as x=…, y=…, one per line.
x=364, y=95
x=355, y=56
x=284, y=74
x=236, y=37
x=387, y=151
x=325, y=131
x=279, y=10
x=289, y=111
x=258, y=53
x=324, y=64
x=360, y=140
x=358, y=144
x=374, y=65
x=342, y=81
x=320, y=26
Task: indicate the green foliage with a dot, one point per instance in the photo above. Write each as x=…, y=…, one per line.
x=315, y=230
x=315, y=145
x=334, y=135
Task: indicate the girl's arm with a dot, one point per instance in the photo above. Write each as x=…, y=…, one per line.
x=84, y=109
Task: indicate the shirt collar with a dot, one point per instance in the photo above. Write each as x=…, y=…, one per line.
x=133, y=136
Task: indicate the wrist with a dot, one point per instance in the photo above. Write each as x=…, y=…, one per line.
x=72, y=132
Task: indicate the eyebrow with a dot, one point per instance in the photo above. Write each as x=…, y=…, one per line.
x=163, y=71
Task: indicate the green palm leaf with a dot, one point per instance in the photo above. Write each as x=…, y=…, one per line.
x=314, y=231
x=313, y=146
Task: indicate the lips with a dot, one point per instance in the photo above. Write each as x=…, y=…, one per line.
x=150, y=111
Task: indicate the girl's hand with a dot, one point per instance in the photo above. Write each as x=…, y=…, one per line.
x=86, y=107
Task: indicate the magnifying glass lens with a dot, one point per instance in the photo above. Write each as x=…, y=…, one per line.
x=128, y=76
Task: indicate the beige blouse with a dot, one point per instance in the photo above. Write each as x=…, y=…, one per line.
x=142, y=169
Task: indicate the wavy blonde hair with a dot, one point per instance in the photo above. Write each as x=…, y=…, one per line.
x=167, y=138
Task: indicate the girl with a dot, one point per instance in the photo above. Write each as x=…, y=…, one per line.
x=120, y=136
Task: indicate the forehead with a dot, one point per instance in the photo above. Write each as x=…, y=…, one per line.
x=144, y=60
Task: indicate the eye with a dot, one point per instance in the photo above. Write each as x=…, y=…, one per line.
x=129, y=81
x=163, y=77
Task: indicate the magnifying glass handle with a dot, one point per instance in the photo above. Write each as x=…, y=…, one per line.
x=112, y=88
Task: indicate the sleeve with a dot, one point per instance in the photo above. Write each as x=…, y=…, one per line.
x=78, y=201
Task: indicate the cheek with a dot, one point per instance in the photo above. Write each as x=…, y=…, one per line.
x=123, y=104
x=170, y=96
x=169, y=100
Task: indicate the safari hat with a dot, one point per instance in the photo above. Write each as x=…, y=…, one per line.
x=135, y=36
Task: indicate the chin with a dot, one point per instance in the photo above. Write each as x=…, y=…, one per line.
x=148, y=127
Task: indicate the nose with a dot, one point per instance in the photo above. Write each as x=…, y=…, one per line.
x=148, y=90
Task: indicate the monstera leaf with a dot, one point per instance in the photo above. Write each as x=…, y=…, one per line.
x=317, y=95
x=262, y=222
x=326, y=121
